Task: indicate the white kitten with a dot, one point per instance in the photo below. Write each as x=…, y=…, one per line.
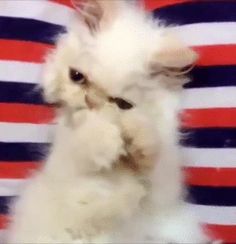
x=114, y=170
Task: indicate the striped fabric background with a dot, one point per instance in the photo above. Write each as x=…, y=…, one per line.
x=27, y=31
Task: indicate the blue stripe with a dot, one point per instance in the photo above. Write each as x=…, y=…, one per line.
x=217, y=196
x=209, y=137
x=29, y=30
x=5, y=204
x=15, y=92
x=23, y=151
x=202, y=195
x=198, y=12
x=212, y=76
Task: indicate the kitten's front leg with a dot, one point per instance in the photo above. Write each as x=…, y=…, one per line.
x=99, y=141
x=141, y=139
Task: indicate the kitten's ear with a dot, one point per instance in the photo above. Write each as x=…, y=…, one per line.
x=96, y=13
x=172, y=58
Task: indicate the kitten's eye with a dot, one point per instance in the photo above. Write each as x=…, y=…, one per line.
x=121, y=103
x=76, y=76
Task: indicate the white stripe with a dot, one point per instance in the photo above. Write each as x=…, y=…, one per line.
x=19, y=132
x=210, y=157
x=207, y=214
x=40, y=10
x=215, y=214
x=216, y=97
x=11, y=187
x=20, y=72
x=207, y=33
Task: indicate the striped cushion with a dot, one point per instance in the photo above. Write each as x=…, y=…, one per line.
x=28, y=30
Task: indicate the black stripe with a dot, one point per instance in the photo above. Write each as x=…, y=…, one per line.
x=16, y=92
x=5, y=204
x=202, y=195
x=217, y=196
x=212, y=76
x=23, y=151
x=29, y=30
x=198, y=12
x=209, y=137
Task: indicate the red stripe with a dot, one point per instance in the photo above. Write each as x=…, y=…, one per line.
x=226, y=233
x=154, y=4
x=195, y=176
x=3, y=221
x=25, y=113
x=64, y=2
x=150, y=4
x=23, y=50
x=17, y=170
x=216, y=54
x=192, y=118
x=211, y=176
x=212, y=117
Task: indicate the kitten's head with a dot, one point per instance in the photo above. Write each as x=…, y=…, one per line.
x=114, y=52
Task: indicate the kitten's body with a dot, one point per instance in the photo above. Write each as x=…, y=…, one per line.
x=86, y=192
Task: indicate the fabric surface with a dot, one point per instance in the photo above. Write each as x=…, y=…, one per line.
x=27, y=31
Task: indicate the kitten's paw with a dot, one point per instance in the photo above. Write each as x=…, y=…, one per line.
x=109, y=147
x=101, y=140
x=141, y=139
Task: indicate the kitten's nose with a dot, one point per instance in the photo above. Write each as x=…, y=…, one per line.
x=90, y=103
x=95, y=98
x=93, y=101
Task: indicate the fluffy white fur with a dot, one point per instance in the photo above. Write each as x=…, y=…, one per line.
x=86, y=191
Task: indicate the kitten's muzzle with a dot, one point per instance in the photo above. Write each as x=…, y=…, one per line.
x=90, y=103
x=95, y=98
